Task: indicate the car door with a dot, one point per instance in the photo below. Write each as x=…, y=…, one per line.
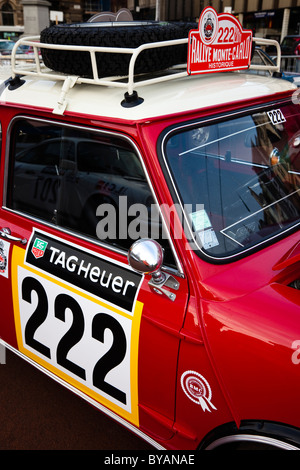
x=73, y=306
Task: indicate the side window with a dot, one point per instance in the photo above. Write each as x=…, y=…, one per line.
x=82, y=180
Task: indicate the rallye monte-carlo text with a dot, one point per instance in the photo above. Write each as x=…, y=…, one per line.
x=149, y=228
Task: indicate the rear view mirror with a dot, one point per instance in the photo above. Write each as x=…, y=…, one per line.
x=146, y=256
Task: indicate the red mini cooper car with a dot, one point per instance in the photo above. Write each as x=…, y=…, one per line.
x=149, y=227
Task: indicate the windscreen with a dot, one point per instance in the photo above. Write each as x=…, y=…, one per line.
x=238, y=179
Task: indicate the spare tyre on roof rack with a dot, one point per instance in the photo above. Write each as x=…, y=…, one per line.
x=124, y=35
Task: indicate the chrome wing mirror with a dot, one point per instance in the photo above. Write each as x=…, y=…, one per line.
x=146, y=256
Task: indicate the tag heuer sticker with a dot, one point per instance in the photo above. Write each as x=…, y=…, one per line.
x=4, y=253
x=38, y=248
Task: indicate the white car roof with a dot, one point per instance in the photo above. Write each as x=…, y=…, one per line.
x=160, y=99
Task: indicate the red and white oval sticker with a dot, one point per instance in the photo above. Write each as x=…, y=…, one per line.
x=219, y=44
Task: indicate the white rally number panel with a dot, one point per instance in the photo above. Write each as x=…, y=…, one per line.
x=86, y=341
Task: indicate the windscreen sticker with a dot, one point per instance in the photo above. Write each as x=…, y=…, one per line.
x=202, y=227
x=87, y=337
x=4, y=255
x=276, y=116
x=200, y=220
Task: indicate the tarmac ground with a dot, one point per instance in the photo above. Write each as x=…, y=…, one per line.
x=37, y=413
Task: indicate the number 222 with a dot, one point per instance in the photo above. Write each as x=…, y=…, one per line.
x=101, y=321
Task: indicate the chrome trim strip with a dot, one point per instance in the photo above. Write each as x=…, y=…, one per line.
x=92, y=402
x=251, y=438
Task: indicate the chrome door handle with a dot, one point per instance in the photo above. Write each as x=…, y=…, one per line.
x=6, y=233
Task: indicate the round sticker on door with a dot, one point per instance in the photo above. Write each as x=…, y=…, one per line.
x=197, y=389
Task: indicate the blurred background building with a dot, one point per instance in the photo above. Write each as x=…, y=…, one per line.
x=267, y=18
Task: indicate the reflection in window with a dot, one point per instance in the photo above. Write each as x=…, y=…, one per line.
x=80, y=180
x=7, y=14
x=239, y=179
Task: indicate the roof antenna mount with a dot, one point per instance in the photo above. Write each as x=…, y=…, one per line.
x=15, y=82
x=131, y=100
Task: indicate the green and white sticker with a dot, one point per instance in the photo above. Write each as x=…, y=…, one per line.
x=39, y=248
